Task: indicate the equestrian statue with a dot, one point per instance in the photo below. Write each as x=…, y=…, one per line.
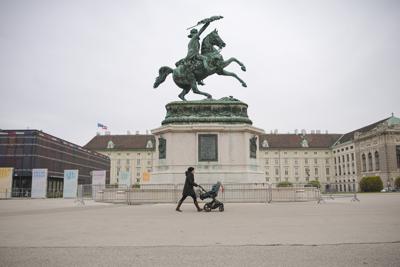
x=199, y=63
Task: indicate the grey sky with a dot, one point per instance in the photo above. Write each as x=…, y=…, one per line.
x=66, y=65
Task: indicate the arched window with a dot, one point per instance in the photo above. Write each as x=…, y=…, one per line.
x=369, y=161
x=377, y=165
x=364, y=163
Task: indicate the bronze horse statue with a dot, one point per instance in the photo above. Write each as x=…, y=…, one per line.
x=188, y=79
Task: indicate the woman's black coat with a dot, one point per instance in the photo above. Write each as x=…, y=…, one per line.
x=189, y=183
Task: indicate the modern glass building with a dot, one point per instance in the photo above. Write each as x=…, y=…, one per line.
x=25, y=150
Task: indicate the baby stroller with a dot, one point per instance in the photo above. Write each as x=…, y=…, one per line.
x=213, y=193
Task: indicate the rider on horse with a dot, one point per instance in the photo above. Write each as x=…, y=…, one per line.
x=193, y=57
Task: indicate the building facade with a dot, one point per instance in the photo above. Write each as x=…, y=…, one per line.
x=25, y=150
x=340, y=159
x=130, y=154
x=297, y=158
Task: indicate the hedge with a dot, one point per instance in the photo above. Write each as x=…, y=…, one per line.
x=371, y=184
x=397, y=183
x=314, y=183
x=285, y=184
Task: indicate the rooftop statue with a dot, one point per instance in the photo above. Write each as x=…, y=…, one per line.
x=199, y=63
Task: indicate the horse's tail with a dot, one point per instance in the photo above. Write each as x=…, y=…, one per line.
x=163, y=72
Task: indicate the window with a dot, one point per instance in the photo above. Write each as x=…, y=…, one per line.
x=276, y=161
x=138, y=162
x=369, y=161
x=306, y=161
x=286, y=171
x=364, y=163
x=316, y=171
x=315, y=153
x=327, y=171
x=326, y=161
x=276, y=171
x=352, y=156
x=348, y=157
x=377, y=161
x=296, y=161
x=286, y=161
x=340, y=170
x=127, y=162
x=266, y=162
x=315, y=161
x=338, y=159
x=118, y=162
x=296, y=171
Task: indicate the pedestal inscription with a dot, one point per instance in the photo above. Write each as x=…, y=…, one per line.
x=208, y=147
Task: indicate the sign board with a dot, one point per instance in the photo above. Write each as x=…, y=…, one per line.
x=5, y=182
x=98, y=177
x=39, y=183
x=70, y=183
x=146, y=177
x=124, y=178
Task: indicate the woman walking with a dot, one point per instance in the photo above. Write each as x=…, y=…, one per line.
x=188, y=190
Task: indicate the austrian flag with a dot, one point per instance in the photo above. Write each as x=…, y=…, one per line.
x=99, y=125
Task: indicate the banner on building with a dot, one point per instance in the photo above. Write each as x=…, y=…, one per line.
x=70, y=183
x=124, y=178
x=146, y=177
x=5, y=182
x=39, y=183
x=98, y=177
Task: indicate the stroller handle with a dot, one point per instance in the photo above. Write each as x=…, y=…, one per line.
x=201, y=188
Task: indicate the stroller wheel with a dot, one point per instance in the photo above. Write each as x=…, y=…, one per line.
x=221, y=208
x=207, y=207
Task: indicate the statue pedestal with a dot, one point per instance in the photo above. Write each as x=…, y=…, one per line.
x=214, y=137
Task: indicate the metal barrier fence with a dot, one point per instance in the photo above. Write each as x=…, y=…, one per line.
x=332, y=191
x=15, y=192
x=171, y=193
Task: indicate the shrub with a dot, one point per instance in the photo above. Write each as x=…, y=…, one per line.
x=314, y=183
x=397, y=183
x=136, y=185
x=285, y=184
x=371, y=184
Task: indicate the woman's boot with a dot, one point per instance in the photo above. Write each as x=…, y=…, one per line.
x=197, y=206
x=179, y=205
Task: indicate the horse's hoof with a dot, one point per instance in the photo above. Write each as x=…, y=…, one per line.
x=244, y=84
x=243, y=69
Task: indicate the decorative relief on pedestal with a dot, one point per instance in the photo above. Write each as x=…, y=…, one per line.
x=253, y=147
x=226, y=110
x=162, y=148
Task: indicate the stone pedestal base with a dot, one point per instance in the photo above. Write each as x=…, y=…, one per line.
x=232, y=163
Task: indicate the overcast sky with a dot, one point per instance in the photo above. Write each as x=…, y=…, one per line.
x=314, y=65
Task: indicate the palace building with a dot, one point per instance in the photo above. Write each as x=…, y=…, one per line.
x=342, y=159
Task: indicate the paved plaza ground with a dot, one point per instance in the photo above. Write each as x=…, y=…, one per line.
x=57, y=232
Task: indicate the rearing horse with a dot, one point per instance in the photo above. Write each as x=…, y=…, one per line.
x=215, y=62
